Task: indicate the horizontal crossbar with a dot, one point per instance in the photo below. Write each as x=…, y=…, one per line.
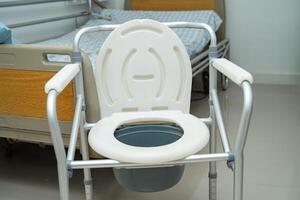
x=109, y=163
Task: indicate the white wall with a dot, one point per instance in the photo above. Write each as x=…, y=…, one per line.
x=25, y=13
x=265, y=38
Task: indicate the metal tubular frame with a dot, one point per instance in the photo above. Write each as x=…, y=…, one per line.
x=75, y=129
x=108, y=163
x=66, y=163
x=46, y=20
x=201, y=61
x=58, y=145
x=28, y=2
x=220, y=122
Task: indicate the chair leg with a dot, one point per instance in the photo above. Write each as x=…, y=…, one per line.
x=88, y=182
x=212, y=165
x=238, y=177
x=88, y=185
x=212, y=181
x=63, y=182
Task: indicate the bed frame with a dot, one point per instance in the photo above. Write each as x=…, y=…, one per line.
x=200, y=62
x=24, y=70
x=23, y=114
x=216, y=5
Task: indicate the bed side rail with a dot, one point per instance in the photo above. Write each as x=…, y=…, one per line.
x=32, y=57
x=24, y=69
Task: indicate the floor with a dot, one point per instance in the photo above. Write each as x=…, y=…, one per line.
x=272, y=161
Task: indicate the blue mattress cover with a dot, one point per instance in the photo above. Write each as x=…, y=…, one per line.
x=193, y=39
x=5, y=34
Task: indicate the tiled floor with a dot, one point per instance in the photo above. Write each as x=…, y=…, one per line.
x=272, y=158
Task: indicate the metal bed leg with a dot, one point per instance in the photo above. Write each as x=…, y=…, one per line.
x=212, y=164
x=88, y=182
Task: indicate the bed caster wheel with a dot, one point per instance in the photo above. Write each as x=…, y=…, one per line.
x=224, y=82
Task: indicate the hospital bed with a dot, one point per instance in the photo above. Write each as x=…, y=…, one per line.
x=194, y=40
x=23, y=114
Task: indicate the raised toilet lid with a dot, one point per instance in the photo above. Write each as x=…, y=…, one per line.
x=143, y=66
x=195, y=137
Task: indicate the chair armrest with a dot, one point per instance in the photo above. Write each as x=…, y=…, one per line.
x=62, y=78
x=232, y=71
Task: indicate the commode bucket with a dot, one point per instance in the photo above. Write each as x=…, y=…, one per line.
x=149, y=179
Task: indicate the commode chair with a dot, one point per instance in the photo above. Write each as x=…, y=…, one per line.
x=146, y=134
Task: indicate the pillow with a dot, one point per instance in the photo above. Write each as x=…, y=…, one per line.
x=5, y=34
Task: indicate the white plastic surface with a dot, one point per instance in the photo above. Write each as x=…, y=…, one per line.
x=232, y=71
x=62, y=78
x=195, y=137
x=143, y=66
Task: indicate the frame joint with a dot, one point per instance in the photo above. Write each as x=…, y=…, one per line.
x=69, y=169
x=76, y=57
x=212, y=175
x=230, y=161
x=213, y=52
x=88, y=182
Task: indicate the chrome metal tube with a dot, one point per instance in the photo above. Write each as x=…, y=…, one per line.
x=245, y=117
x=75, y=129
x=88, y=183
x=90, y=6
x=206, y=121
x=213, y=41
x=108, y=163
x=212, y=174
x=213, y=139
x=46, y=20
x=199, y=57
x=221, y=49
x=58, y=145
x=241, y=141
x=88, y=126
x=90, y=29
x=201, y=69
x=204, y=62
x=220, y=45
x=213, y=38
x=220, y=122
x=27, y=2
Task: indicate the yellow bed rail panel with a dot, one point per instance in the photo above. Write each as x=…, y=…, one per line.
x=22, y=94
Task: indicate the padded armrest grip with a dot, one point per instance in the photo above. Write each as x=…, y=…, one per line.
x=232, y=71
x=62, y=78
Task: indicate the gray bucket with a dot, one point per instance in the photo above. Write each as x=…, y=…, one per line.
x=149, y=179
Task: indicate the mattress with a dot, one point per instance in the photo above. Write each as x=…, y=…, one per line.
x=193, y=39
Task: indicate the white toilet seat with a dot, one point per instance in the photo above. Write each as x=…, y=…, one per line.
x=195, y=137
